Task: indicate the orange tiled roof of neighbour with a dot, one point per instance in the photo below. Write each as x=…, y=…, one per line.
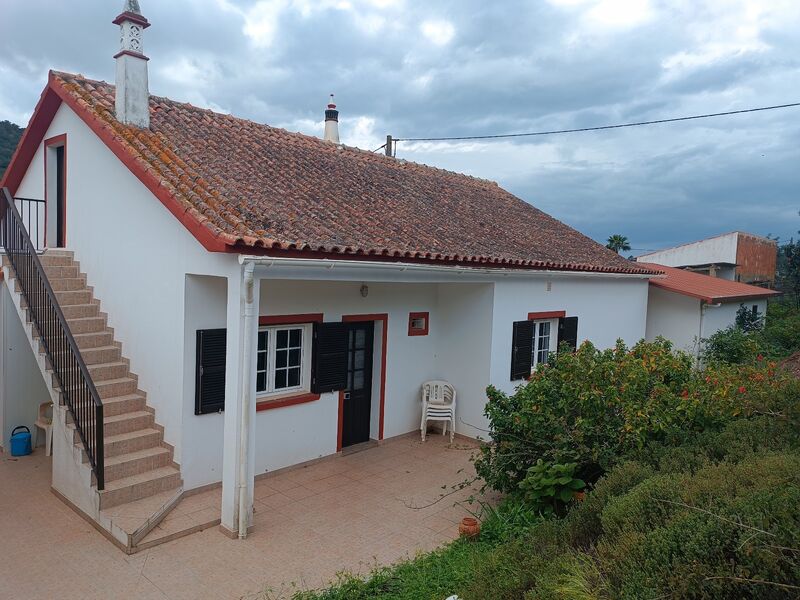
x=704, y=287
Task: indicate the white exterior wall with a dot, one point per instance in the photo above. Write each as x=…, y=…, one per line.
x=464, y=338
x=720, y=249
x=22, y=389
x=205, y=308
x=136, y=254
x=685, y=321
x=716, y=318
x=675, y=317
x=607, y=309
x=292, y=434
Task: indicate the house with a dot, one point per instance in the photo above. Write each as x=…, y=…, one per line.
x=735, y=256
x=229, y=299
x=686, y=307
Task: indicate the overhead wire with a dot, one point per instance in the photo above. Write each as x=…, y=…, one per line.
x=583, y=129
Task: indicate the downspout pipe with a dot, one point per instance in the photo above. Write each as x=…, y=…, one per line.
x=246, y=395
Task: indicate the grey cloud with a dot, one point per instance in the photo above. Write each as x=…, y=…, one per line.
x=511, y=66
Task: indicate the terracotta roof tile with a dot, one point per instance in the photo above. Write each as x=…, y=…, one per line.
x=258, y=187
x=704, y=287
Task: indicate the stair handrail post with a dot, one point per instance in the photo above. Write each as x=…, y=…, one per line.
x=9, y=215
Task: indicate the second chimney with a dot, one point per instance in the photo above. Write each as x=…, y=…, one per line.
x=331, y=123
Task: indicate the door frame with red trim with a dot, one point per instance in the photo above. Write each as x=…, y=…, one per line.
x=383, y=319
x=51, y=147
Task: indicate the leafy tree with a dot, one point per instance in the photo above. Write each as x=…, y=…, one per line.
x=618, y=243
x=9, y=138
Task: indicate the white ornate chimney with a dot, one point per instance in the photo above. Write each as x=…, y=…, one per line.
x=133, y=94
x=331, y=123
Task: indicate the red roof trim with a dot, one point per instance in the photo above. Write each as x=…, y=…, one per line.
x=34, y=134
x=425, y=258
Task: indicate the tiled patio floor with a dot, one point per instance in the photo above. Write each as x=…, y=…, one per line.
x=347, y=513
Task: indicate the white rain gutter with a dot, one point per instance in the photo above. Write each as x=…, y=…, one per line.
x=246, y=398
x=401, y=267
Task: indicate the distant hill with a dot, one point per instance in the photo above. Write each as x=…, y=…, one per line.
x=9, y=137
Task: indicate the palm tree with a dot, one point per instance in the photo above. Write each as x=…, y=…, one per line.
x=618, y=243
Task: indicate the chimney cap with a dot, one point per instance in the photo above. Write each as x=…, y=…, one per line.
x=132, y=6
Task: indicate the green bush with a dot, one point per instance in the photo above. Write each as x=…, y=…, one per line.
x=732, y=345
x=708, y=534
x=600, y=408
x=743, y=343
x=549, y=488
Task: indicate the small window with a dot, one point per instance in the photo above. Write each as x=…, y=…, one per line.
x=543, y=342
x=418, y=323
x=283, y=360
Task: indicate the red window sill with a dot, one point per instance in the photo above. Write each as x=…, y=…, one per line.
x=286, y=401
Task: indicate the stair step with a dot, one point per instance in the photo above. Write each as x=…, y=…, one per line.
x=54, y=272
x=134, y=463
x=81, y=311
x=125, y=443
x=94, y=340
x=68, y=284
x=112, y=388
x=101, y=354
x=124, y=404
x=57, y=259
x=128, y=422
x=136, y=487
x=110, y=370
x=69, y=298
x=86, y=324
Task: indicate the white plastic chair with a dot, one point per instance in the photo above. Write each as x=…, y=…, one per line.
x=438, y=404
x=45, y=423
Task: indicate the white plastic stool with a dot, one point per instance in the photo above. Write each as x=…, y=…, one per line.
x=44, y=423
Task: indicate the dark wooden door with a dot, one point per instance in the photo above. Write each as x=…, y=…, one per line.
x=60, y=199
x=358, y=393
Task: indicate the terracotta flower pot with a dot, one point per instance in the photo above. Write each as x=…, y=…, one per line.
x=469, y=527
x=580, y=496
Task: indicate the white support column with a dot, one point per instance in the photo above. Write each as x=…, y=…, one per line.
x=240, y=408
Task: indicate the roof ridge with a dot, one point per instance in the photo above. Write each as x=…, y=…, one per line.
x=322, y=143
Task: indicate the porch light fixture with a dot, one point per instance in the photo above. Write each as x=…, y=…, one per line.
x=364, y=291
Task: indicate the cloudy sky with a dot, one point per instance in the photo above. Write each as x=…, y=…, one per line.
x=415, y=68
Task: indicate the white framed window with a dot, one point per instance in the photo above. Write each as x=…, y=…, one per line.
x=283, y=363
x=545, y=340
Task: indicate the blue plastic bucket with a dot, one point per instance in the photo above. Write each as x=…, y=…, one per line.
x=21, y=442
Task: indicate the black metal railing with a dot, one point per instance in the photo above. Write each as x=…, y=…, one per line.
x=69, y=370
x=33, y=216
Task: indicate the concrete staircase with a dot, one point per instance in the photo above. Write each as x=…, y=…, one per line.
x=139, y=466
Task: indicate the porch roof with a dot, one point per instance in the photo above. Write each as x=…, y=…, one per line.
x=241, y=186
x=706, y=288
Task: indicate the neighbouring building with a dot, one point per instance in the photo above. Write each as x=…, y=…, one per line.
x=229, y=298
x=735, y=256
x=686, y=307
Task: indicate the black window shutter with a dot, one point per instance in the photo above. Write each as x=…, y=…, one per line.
x=521, y=350
x=209, y=395
x=568, y=332
x=329, y=357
